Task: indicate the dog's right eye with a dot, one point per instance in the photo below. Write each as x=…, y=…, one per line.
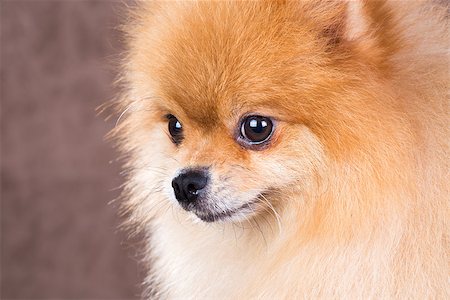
x=175, y=129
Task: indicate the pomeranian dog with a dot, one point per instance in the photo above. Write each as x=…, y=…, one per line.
x=288, y=149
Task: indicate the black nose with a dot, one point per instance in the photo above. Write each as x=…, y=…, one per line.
x=188, y=185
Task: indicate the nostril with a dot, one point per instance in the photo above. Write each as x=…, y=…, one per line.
x=177, y=189
x=195, y=183
x=192, y=189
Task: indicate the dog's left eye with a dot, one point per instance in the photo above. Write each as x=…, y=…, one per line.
x=256, y=129
x=175, y=129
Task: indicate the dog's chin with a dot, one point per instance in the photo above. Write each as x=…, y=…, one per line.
x=240, y=213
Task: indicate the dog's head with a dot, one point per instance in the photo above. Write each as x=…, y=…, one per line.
x=235, y=107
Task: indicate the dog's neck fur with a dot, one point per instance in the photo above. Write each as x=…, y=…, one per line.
x=251, y=260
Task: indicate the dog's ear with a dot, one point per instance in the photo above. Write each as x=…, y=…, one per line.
x=371, y=26
x=357, y=19
x=364, y=26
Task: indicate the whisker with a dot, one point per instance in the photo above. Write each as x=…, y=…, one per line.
x=261, y=232
x=129, y=106
x=277, y=216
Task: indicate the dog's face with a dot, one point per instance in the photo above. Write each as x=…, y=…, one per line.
x=237, y=106
x=227, y=162
x=227, y=159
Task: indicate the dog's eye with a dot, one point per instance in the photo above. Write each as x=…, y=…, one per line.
x=256, y=129
x=175, y=129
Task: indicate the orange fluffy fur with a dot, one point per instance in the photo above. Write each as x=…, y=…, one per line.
x=357, y=169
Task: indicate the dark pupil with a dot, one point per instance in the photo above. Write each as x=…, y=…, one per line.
x=257, y=129
x=175, y=129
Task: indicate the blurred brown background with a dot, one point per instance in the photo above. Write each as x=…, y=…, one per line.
x=59, y=236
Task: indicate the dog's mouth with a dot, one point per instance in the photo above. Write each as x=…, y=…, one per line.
x=210, y=216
